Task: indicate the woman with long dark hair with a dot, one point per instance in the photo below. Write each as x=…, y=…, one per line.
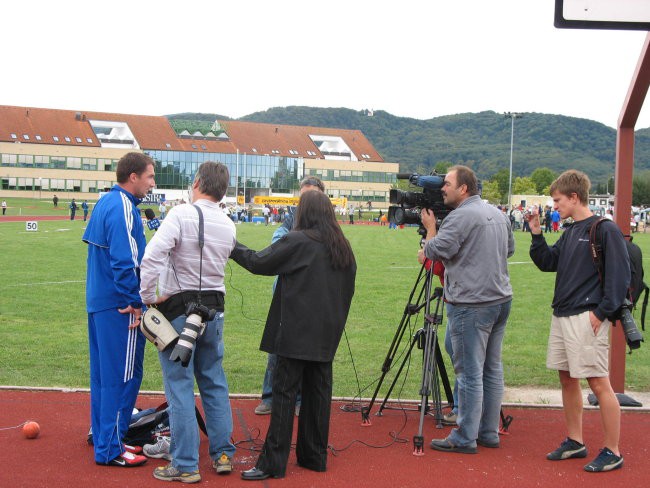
x=316, y=271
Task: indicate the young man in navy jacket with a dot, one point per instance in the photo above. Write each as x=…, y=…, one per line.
x=578, y=344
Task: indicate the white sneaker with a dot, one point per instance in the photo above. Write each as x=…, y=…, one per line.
x=158, y=450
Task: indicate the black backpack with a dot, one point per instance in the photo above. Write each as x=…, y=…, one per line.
x=147, y=425
x=637, y=285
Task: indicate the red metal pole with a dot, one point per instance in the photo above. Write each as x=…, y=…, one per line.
x=623, y=193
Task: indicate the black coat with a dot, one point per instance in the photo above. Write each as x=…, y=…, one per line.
x=311, y=300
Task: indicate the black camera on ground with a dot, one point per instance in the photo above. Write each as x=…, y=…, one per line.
x=633, y=336
x=406, y=205
x=197, y=316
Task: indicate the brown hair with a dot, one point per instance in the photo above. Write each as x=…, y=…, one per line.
x=133, y=162
x=315, y=216
x=312, y=181
x=572, y=181
x=465, y=176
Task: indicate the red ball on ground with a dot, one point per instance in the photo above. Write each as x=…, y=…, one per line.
x=31, y=430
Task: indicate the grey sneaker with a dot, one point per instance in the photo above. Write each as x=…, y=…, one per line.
x=449, y=418
x=567, y=450
x=159, y=450
x=170, y=473
x=605, y=461
x=223, y=465
x=263, y=409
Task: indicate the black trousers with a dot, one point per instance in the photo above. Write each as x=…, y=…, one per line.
x=315, y=380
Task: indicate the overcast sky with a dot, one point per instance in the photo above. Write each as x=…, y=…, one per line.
x=412, y=58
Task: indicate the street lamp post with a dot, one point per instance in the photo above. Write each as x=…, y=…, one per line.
x=512, y=116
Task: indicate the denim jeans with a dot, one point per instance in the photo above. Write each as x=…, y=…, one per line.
x=267, y=386
x=206, y=366
x=476, y=337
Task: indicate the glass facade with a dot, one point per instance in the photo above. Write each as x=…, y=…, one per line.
x=253, y=174
x=176, y=169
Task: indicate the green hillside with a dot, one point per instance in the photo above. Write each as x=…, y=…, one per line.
x=480, y=140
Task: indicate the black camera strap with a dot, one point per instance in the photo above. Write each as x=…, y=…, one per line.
x=201, y=244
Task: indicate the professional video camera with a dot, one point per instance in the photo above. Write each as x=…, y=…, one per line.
x=406, y=205
x=197, y=316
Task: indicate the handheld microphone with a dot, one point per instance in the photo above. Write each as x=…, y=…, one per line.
x=152, y=222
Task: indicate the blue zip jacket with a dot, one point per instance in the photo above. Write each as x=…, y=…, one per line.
x=116, y=242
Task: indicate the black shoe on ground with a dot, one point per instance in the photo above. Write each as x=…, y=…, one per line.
x=567, y=450
x=605, y=461
x=445, y=446
x=255, y=474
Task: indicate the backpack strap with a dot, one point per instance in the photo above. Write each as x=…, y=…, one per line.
x=644, y=306
x=596, y=245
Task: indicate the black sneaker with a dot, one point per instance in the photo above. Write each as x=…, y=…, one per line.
x=606, y=461
x=567, y=450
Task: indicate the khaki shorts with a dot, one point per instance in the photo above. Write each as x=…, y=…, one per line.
x=573, y=346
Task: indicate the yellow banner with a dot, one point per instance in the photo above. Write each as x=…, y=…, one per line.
x=259, y=200
x=241, y=200
x=276, y=200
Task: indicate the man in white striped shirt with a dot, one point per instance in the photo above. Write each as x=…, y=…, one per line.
x=176, y=264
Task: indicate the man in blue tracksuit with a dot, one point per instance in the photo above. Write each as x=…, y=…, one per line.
x=116, y=242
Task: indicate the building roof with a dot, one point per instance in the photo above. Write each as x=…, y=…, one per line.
x=73, y=128
x=254, y=137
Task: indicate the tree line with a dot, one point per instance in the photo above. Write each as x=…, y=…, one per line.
x=480, y=141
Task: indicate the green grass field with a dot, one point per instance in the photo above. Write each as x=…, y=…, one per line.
x=43, y=320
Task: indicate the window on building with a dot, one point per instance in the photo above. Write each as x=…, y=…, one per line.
x=9, y=159
x=38, y=138
x=14, y=136
x=78, y=139
x=26, y=137
x=89, y=140
x=67, y=139
x=55, y=138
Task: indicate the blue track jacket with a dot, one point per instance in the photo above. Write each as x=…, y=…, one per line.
x=116, y=242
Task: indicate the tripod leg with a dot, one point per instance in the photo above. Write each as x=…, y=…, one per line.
x=390, y=356
x=399, y=371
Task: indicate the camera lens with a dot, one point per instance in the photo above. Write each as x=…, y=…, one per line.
x=183, y=350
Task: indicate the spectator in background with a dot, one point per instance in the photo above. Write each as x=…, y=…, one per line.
x=555, y=220
x=73, y=209
x=55, y=200
x=162, y=208
x=547, y=219
x=84, y=207
x=4, y=207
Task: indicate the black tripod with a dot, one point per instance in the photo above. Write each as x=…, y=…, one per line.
x=433, y=367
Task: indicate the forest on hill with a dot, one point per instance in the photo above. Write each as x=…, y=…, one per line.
x=480, y=140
